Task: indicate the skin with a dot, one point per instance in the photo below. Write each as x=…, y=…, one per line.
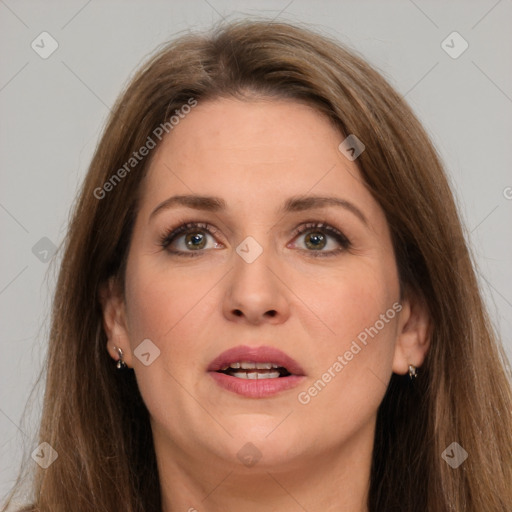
x=255, y=154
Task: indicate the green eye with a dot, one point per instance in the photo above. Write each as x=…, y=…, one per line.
x=317, y=238
x=195, y=238
x=191, y=239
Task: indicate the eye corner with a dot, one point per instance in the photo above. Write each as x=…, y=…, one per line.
x=328, y=230
x=172, y=234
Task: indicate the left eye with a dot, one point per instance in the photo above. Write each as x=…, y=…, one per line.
x=318, y=237
x=192, y=238
x=189, y=237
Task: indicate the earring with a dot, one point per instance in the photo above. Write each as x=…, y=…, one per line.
x=413, y=372
x=121, y=365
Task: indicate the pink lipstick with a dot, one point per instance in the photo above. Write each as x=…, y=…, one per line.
x=255, y=372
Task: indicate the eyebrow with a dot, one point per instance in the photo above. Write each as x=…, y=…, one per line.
x=299, y=204
x=293, y=204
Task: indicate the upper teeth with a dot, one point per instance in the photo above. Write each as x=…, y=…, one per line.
x=246, y=365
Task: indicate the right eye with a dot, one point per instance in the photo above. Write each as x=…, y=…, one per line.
x=190, y=238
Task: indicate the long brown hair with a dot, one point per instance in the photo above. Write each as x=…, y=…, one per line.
x=94, y=417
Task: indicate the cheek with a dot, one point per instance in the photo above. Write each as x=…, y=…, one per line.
x=361, y=307
x=353, y=299
x=172, y=311
x=166, y=305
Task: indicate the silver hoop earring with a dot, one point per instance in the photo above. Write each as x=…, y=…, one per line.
x=121, y=365
x=413, y=372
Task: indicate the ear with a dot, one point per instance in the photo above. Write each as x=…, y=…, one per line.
x=114, y=320
x=413, y=334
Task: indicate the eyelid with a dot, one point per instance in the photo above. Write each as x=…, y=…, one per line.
x=335, y=233
x=309, y=225
x=171, y=234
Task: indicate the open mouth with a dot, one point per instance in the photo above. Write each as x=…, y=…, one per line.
x=251, y=370
x=255, y=372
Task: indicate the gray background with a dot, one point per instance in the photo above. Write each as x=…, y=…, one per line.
x=52, y=112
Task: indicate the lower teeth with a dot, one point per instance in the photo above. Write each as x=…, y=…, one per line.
x=255, y=375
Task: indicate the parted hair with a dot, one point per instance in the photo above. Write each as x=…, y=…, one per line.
x=94, y=417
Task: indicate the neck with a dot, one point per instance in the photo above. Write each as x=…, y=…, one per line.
x=337, y=481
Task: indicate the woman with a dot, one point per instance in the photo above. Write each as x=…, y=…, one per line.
x=266, y=301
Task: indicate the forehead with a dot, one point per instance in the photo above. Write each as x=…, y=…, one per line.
x=253, y=153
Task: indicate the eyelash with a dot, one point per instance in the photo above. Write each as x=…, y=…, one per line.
x=170, y=235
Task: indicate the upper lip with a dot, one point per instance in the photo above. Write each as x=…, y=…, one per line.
x=255, y=355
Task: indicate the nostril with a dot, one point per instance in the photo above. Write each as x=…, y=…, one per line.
x=272, y=313
x=237, y=312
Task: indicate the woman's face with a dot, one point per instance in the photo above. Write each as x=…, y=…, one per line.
x=258, y=272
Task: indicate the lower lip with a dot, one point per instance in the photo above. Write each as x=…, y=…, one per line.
x=256, y=388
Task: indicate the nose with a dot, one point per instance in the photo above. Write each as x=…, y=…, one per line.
x=255, y=294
